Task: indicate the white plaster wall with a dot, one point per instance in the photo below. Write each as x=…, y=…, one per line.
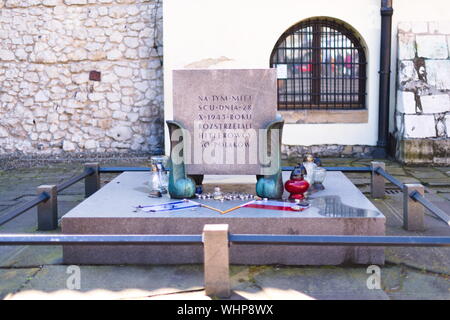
x=202, y=32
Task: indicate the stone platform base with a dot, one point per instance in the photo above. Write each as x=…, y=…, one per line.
x=341, y=209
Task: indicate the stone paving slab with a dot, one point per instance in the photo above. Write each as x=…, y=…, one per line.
x=29, y=256
x=396, y=171
x=12, y=280
x=436, y=182
x=247, y=282
x=401, y=283
x=111, y=282
x=434, y=259
x=308, y=283
x=446, y=196
x=427, y=173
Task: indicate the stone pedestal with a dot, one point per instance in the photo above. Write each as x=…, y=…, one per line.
x=340, y=209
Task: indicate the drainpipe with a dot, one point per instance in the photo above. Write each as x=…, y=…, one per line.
x=385, y=74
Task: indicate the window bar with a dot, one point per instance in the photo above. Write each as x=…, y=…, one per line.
x=326, y=58
x=323, y=90
x=302, y=94
x=294, y=56
x=344, y=78
x=343, y=83
x=310, y=65
x=335, y=41
x=351, y=77
x=316, y=64
x=274, y=63
x=362, y=78
x=286, y=100
x=352, y=80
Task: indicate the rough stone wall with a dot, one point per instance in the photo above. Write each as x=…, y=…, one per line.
x=295, y=154
x=52, y=54
x=423, y=96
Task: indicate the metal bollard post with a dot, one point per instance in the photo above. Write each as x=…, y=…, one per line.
x=413, y=211
x=378, y=184
x=47, y=212
x=92, y=182
x=217, y=261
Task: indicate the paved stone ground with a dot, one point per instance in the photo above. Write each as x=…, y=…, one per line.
x=410, y=273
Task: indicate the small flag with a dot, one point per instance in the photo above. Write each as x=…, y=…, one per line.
x=277, y=205
x=170, y=206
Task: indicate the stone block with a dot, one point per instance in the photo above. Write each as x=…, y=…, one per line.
x=441, y=151
x=6, y=55
x=68, y=146
x=111, y=211
x=406, y=46
x=413, y=211
x=75, y=2
x=47, y=212
x=420, y=126
x=404, y=27
x=447, y=122
x=51, y=3
x=378, y=183
x=433, y=27
x=432, y=46
x=3, y=132
x=216, y=260
x=419, y=27
x=424, y=151
x=441, y=127
x=120, y=133
x=399, y=123
x=448, y=44
x=407, y=72
x=435, y=103
x=438, y=73
x=406, y=102
x=416, y=151
x=444, y=27
x=222, y=111
x=42, y=96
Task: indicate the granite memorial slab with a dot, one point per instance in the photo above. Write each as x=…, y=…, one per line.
x=224, y=113
x=340, y=209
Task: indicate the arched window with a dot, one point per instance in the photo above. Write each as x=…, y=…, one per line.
x=321, y=65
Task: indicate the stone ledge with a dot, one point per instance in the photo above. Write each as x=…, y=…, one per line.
x=25, y=4
x=20, y=160
x=325, y=116
x=294, y=153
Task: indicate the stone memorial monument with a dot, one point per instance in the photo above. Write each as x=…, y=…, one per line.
x=225, y=123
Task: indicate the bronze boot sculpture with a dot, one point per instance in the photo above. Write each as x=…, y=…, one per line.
x=180, y=185
x=270, y=185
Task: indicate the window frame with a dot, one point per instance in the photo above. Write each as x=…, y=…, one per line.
x=314, y=101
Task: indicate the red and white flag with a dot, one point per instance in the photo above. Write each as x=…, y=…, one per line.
x=276, y=205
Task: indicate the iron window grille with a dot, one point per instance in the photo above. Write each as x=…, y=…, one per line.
x=322, y=65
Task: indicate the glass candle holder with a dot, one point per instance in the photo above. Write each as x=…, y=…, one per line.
x=161, y=163
x=319, y=177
